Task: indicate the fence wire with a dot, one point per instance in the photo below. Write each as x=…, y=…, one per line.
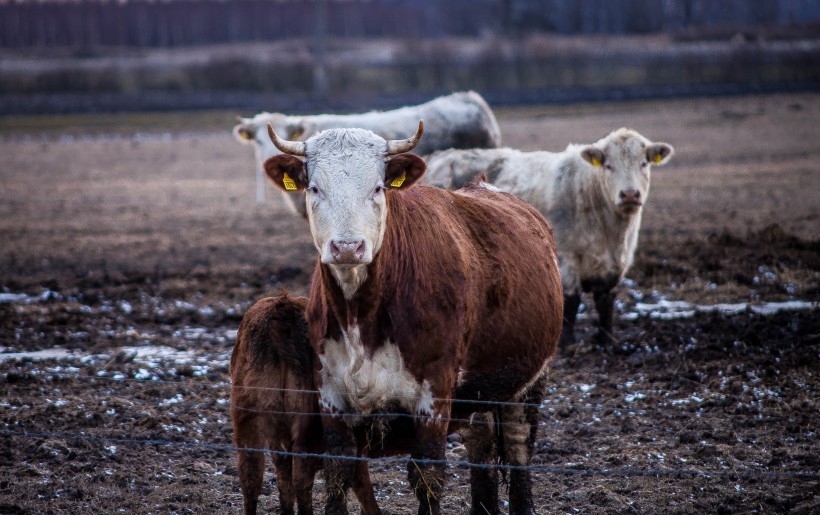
x=614, y=405
x=625, y=472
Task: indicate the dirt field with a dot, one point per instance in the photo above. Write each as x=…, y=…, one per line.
x=131, y=246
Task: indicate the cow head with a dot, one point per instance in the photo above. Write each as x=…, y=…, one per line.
x=253, y=131
x=346, y=173
x=624, y=159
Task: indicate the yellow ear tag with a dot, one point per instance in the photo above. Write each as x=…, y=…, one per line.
x=296, y=135
x=290, y=185
x=595, y=161
x=658, y=158
x=398, y=181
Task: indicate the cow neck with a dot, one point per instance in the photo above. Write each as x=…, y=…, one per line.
x=349, y=307
x=380, y=279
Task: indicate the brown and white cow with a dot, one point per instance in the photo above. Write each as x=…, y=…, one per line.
x=592, y=195
x=423, y=302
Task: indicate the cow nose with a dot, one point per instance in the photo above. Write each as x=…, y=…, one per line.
x=347, y=251
x=631, y=196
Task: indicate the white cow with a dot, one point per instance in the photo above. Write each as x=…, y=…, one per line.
x=592, y=196
x=459, y=120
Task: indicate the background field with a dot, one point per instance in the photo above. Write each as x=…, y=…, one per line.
x=125, y=235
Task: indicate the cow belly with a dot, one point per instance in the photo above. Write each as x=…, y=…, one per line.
x=591, y=262
x=353, y=381
x=603, y=266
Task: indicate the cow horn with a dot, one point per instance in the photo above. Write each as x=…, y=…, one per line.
x=399, y=146
x=294, y=148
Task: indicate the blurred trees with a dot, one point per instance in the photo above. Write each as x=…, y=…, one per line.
x=148, y=23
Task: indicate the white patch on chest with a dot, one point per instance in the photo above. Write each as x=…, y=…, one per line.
x=352, y=381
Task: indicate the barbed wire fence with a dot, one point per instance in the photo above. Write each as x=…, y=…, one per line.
x=625, y=472
x=619, y=472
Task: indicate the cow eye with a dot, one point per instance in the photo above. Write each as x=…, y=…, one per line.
x=378, y=189
x=643, y=165
x=608, y=167
x=313, y=189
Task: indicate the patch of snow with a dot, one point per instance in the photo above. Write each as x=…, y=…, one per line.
x=143, y=374
x=677, y=309
x=585, y=388
x=631, y=397
x=37, y=355
x=12, y=297
x=24, y=298
x=176, y=399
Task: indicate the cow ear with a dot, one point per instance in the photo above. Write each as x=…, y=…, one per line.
x=287, y=172
x=403, y=170
x=244, y=132
x=659, y=153
x=295, y=131
x=593, y=156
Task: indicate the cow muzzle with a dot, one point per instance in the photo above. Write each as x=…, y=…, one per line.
x=629, y=201
x=347, y=252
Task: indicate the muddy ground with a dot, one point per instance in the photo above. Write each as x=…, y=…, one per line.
x=131, y=246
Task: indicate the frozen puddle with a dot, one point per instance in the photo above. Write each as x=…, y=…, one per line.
x=677, y=309
x=23, y=298
x=37, y=355
x=662, y=309
x=153, y=357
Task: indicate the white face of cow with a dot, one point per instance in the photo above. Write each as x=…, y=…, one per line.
x=346, y=174
x=345, y=195
x=624, y=158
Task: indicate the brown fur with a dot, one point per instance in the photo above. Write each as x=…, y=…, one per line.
x=464, y=280
x=272, y=354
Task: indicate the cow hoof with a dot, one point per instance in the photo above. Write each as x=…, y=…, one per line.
x=566, y=339
x=605, y=338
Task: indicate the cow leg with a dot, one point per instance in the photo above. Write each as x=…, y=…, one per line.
x=339, y=473
x=304, y=470
x=480, y=441
x=571, y=304
x=363, y=489
x=251, y=467
x=604, y=305
x=519, y=428
x=603, y=292
x=283, y=466
x=427, y=479
x=250, y=464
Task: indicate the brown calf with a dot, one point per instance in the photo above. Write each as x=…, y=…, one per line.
x=272, y=355
x=274, y=407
